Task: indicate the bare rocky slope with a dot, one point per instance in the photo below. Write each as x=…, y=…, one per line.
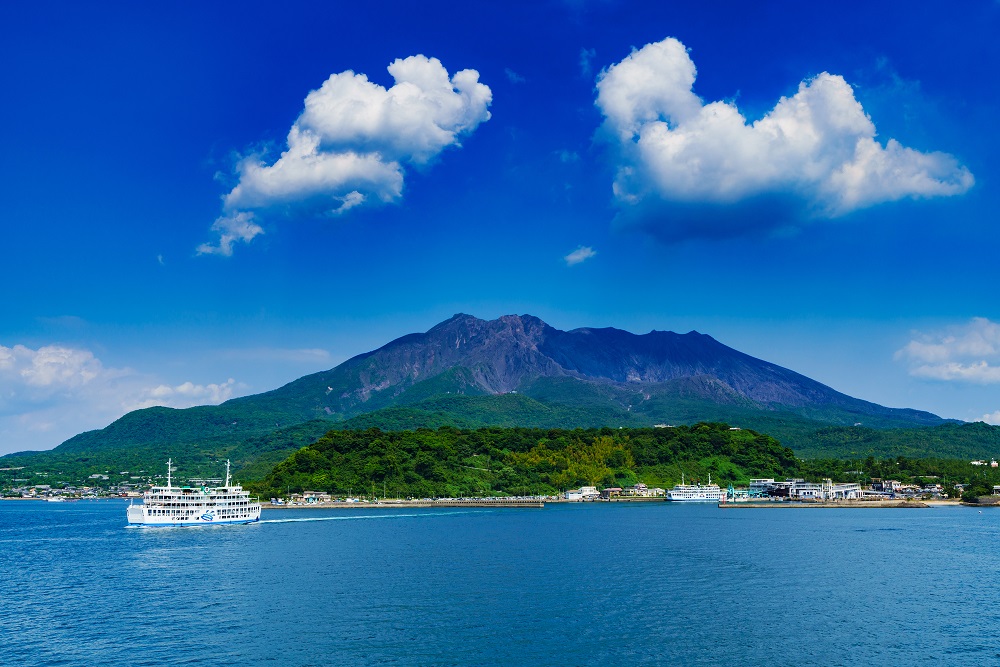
x=513, y=353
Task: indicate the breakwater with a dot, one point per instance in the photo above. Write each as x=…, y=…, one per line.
x=841, y=504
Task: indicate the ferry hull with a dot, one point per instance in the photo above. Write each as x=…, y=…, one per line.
x=168, y=524
x=137, y=517
x=696, y=500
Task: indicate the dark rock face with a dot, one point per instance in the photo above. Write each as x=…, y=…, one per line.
x=503, y=355
x=661, y=356
x=499, y=354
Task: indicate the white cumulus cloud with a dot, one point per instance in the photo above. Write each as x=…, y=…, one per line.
x=231, y=228
x=51, y=367
x=352, y=144
x=992, y=418
x=185, y=395
x=581, y=254
x=51, y=393
x=966, y=353
x=690, y=168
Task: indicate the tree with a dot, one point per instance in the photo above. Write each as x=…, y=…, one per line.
x=977, y=489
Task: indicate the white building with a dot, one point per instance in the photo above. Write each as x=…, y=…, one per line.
x=583, y=493
x=799, y=489
x=640, y=490
x=850, y=491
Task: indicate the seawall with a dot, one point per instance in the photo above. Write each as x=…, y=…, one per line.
x=841, y=504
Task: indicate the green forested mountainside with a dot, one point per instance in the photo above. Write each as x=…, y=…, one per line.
x=964, y=441
x=451, y=462
x=809, y=438
x=507, y=410
x=252, y=458
x=230, y=422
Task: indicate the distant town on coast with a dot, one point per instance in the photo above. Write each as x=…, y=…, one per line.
x=875, y=491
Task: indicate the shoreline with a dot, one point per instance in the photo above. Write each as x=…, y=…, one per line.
x=897, y=504
x=409, y=504
x=478, y=502
x=540, y=503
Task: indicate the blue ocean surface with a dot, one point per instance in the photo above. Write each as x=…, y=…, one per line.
x=594, y=584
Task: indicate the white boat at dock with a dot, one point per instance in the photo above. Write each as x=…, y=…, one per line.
x=696, y=493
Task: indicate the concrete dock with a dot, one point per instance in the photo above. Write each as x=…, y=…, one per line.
x=838, y=504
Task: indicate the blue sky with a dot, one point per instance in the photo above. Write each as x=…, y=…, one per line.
x=205, y=201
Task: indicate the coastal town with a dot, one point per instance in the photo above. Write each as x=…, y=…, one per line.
x=759, y=489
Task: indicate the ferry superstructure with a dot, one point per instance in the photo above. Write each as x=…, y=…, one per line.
x=697, y=493
x=194, y=506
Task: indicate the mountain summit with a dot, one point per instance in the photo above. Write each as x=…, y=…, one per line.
x=465, y=355
x=515, y=371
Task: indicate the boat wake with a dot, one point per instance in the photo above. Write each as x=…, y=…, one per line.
x=365, y=516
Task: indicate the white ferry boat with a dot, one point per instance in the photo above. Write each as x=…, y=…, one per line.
x=697, y=493
x=194, y=506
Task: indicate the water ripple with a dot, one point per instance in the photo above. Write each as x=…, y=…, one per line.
x=567, y=585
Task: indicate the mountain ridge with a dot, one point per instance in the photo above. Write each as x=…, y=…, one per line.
x=582, y=377
x=506, y=354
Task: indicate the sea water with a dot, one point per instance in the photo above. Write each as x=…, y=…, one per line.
x=583, y=584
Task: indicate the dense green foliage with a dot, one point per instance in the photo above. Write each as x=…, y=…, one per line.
x=921, y=471
x=452, y=462
x=810, y=438
x=954, y=440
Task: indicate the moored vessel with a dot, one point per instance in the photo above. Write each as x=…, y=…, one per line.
x=696, y=493
x=194, y=506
